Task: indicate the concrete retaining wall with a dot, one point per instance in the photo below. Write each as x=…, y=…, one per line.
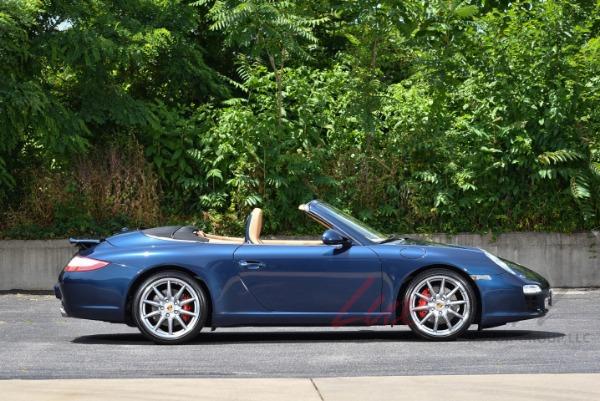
x=567, y=260
x=32, y=265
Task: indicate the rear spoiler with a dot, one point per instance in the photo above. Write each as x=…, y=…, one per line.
x=85, y=243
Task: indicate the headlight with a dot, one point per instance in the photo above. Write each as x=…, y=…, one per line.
x=499, y=262
x=531, y=289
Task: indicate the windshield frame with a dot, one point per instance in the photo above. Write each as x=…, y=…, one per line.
x=347, y=224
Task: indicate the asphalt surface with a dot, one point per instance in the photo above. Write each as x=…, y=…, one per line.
x=36, y=342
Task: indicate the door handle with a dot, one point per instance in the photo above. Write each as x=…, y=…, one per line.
x=251, y=264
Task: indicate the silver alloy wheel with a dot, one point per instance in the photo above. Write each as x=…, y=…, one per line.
x=439, y=305
x=169, y=308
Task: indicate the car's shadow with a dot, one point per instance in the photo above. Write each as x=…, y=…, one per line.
x=321, y=336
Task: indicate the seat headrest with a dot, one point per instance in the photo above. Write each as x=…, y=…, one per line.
x=254, y=226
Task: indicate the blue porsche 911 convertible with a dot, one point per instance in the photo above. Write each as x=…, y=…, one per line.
x=172, y=281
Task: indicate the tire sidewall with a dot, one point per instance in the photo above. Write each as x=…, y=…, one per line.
x=407, y=316
x=135, y=307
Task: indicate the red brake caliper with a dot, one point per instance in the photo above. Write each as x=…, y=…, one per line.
x=187, y=307
x=422, y=302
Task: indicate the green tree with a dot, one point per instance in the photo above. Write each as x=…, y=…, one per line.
x=415, y=116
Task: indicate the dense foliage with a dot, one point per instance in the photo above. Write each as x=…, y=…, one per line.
x=440, y=115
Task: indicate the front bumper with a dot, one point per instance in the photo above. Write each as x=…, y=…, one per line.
x=504, y=300
x=549, y=300
x=539, y=303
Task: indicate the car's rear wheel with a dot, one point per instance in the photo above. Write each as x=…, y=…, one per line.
x=170, y=307
x=439, y=304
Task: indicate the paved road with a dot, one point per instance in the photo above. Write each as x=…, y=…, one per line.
x=35, y=342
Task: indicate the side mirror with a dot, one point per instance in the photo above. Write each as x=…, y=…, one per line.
x=332, y=237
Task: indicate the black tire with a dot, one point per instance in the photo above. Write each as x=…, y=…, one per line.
x=198, y=322
x=460, y=326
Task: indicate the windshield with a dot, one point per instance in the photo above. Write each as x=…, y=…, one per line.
x=368, y=232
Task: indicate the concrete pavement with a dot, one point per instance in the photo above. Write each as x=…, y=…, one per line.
x=543, y=387
x=556, y=358
x=37, y=343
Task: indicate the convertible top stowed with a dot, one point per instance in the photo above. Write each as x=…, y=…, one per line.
x=186, y=233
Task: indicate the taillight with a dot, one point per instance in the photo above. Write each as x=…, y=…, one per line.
x=83, y=264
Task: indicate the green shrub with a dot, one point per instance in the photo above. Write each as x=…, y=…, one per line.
x=414, y=116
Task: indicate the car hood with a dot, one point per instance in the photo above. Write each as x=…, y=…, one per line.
x=426, y=243
x=521, y=271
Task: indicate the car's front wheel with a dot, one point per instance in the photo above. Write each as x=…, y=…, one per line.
x=170, y=307
x=439, y=304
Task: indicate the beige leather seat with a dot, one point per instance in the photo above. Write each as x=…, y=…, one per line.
x=254, y=226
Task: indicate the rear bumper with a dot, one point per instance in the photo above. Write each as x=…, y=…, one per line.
x=63, y=312
x=57, y=292
x=95, y=295
x=58, y=295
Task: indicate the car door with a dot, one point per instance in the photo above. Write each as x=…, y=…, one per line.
x=311, y=279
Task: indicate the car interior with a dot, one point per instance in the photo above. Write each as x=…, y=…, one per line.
x=254, y=226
